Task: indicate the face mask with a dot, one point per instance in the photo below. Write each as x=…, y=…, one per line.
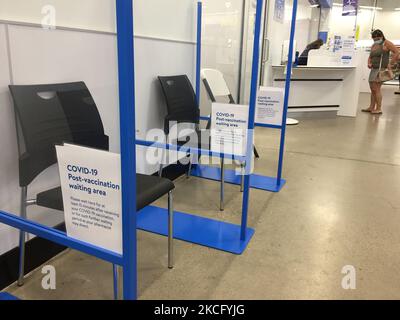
x=378, y=41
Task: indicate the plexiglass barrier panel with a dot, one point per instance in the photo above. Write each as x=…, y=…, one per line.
x=222, y=44
x=48, y=44
x=61, y=94
x=59, y=85
x=58, y=63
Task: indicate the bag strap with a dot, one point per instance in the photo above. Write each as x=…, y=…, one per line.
x=380, y=65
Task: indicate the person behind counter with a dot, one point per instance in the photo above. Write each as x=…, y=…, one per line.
x=316, y=45
x=379, y=59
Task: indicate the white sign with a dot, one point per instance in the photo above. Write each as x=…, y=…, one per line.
x=229, y=128
x=279, y=12
x=270, y=106
x=348, y=51
x=91, y=188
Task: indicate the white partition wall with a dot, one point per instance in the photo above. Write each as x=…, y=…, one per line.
x=222, y=42
x=157, y=58
x=172, y=19
x=42, y=56
x=84, y=48
x=168, y=19
x=9, y=199
x=71, y=13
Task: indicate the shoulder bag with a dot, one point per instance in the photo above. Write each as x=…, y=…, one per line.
x=385, y=75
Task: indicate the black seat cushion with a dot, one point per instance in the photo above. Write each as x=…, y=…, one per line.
x=149, y=189
x=51, y=199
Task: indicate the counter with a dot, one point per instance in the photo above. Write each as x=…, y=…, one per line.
x=321, y=88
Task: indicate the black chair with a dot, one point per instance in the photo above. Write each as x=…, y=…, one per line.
x=182, y=107
x=47, y=115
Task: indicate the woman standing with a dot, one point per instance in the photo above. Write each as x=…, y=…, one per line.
x=379, y=60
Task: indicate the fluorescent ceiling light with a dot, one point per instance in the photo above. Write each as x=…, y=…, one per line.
x=397, y=9
x=371, y=8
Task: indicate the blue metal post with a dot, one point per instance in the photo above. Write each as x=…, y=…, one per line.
x=198, y=51
x=128, y=143
x=115, y=280
x=252, y=113
x=287, y=92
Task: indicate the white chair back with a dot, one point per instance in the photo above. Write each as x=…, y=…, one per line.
x=216, y=82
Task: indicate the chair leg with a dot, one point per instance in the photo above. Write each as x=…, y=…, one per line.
x=163, y=153
x=22, y=239
x=170, y=231
x=256, y=154
x=117, y=281
x=160, y=170
x=242, y=178
x=222, y=198
x=189, y=173
x=21, y=267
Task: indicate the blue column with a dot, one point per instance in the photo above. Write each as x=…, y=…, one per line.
x=128, y=143
x=252, y=113
x=198, y=50
x=287, y=92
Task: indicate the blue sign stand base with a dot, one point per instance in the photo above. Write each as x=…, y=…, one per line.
x=4, y=296
x=256, y=181
x=206, y=232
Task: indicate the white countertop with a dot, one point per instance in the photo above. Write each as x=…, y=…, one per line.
x=318, y=67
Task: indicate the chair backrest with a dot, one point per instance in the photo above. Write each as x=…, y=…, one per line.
x=181, y=99
x=215, y=84
x=53, y=114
